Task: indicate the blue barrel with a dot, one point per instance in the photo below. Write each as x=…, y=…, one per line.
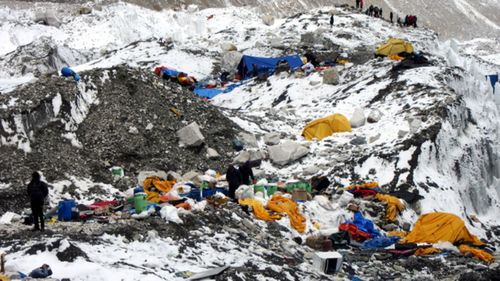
x=64, y=210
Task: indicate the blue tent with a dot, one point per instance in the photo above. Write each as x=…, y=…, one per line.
x=264, y=65
x=210, y=93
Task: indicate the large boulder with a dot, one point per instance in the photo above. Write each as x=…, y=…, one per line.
x=248, y=140
x=272, y=138
x=253, y=156
x=190, y=135
x=230, y=60
x=145, y=174
x=85, y=10
x=212, y=153
x=358, y=118
x=287, y=152
x=268, y=20
x=228, y=46
x=331, y=76
x=47, y=18
x=192, y=176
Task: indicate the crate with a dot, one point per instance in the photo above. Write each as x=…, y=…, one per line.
x=298, y=185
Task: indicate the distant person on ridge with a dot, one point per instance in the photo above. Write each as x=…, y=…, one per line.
x=331, y=20
x=37, y=191
x=357, y=4
x=391, y=16
x=361, y=2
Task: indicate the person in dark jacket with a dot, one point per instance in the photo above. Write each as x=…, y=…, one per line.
x=246, y=173
x=42, y=272
x=357, y=4
x=233, y=178
x=391, y=17
x=37, y=191
x=331, y=21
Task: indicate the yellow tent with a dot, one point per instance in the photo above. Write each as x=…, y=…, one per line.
x=394, y=46
x=435, y=227
x=326, y=126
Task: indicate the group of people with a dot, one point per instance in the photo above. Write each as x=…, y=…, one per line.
x=236, y=176
x=374, y=11
x=410, y=20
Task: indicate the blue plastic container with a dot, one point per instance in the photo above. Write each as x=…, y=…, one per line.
x=64, y=210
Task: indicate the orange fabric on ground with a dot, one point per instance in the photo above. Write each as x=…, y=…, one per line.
x=258, y=210
x=426, y=251
x=285, y=205
x=394, y=205
x=480, y=254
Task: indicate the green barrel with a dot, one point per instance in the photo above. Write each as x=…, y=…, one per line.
x=140, y=202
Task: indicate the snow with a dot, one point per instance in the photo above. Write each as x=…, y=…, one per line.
x=56, y=104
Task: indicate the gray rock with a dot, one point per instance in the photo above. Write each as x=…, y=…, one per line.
x=230, y=60
x=359, y=140
x=399, y=268
x=276, y=42
x=212, y=153
x=311, y=170
x=415, y=125
x=495, y=265
x=402, y=133
x=374, y=116
x=315, y=82
x=374, y=138
x=287, y=152
x=133, y=130
x=358, y=118
x=268, y=20
x=272, y=138
x=228, y=47
x=177, y=176
x=331, y=76
x=192, y=176
x=248, y=155
x=85, y=10
x=144, y=174
x=47, y=18
x=248, y=140
x=190, y=135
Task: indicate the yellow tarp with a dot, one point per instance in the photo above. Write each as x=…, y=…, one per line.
x=153, y=186
x=326, y=126
x=258, y=210
x=281, y=204
x=394, y=205
x=396, y=57
x=426, y=251
x=400, y=234
x=394, y=46
x=435, y=227
x=480, y=254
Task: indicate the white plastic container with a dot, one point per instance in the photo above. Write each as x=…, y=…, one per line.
x=327, y=262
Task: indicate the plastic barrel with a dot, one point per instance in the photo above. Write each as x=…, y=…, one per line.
x=140, y=202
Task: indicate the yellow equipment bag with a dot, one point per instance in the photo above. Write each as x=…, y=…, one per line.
x=258, y=210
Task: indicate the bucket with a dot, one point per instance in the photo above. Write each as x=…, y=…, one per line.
x=140, y=202
x=64, y=210
x=117, y=172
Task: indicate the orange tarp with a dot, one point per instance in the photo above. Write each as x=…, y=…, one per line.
x=282, y=204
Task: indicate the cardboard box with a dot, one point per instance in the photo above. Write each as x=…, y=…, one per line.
x=327, y=262
x=299, y=195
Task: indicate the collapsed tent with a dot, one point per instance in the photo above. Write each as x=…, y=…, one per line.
x=394, y=205
x=212, y=92
x=326, y=126
x=282, y=204
x=394, y=46
x=252, y=66
x=154, y=186
x=435, y=227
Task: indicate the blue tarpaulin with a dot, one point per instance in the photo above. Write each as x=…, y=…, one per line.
x=264, y=65
x=493, y=80
x=365, y=225
x=380, y=242
x=210, y=93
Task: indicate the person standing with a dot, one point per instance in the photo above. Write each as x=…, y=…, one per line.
x=361, y=4
x=233, y=178
x=37, y=191
x=246, y=172
x=357, y=4
x=391, y=16
x=331, y=20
